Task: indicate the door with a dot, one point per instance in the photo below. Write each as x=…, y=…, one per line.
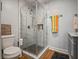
x=0, y=31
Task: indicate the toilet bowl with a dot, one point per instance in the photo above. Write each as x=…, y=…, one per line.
x=12, y=53
x=9, y=49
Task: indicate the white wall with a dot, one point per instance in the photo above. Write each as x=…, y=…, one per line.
x=67, y=8
x=10, y=15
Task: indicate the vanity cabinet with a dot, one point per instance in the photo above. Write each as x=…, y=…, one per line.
x=73, y=45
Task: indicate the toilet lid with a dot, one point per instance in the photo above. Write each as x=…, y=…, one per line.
x=12, y=50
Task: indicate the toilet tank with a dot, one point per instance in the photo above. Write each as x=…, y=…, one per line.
x=8, y=40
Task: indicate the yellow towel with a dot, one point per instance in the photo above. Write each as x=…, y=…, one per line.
x=55, y=23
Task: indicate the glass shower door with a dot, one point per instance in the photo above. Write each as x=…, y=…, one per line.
x=33, y=29
x=26, y=28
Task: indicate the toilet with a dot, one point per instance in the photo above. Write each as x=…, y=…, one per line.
x=9, y=50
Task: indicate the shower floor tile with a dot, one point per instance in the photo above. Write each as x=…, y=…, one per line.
x=34, y=49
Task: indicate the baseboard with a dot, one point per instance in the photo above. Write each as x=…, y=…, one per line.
x=59, y=50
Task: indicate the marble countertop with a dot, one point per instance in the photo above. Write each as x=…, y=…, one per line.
x=73, y=34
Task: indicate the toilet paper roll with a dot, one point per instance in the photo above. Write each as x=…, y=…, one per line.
x=20, y=42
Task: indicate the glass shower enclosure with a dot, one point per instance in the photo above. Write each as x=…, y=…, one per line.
x=33, y=28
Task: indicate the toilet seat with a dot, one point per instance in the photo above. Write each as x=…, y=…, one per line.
x=12, y=52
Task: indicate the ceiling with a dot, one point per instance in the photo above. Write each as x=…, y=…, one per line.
x=40, y=1
x=44, y=1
